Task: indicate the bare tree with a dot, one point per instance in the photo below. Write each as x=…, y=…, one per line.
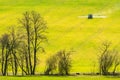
x=51, y=64
x=14, y=43
x=26, y=23
x=60, y=61
x=64, y=63
x=38, y=37
x=23, y=59
x=107, y=59
x=5, y=53
x=9, y=44
x=116, y=61
x=35, y=28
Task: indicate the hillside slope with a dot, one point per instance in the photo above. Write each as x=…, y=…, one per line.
x=66, y=30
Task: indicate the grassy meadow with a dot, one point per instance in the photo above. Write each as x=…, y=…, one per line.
x=61, y=78
x=67, y=31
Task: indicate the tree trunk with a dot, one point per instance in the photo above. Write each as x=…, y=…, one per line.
x=2, y=63
x=29, y=53
x=27, y=64
x=6, y=65
x=35, y=51
x=34, y=67
x=115, y=69
x=15, y=65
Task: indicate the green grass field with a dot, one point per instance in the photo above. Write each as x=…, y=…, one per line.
x=60, y=78
x=67, y=31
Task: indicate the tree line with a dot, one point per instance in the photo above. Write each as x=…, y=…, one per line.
x=19, y=50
